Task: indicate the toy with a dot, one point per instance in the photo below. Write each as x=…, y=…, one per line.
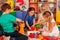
x=37, y=35
x=38, y=26
x=45, y=38
x=40, y=36
x=11, y=3
x=22, y=25
x=49, y=38
x=31, y=35
x=21, y=2
x=37, y=29
x=55, y=38
x=26, y=31
x=32, y=29
x=1, y=38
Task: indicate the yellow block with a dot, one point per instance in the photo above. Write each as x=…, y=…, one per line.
x=58, y=16
x=22, y=25
x=40, y=36
x=11, y=3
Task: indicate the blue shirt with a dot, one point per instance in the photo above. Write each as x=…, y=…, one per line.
x=24, y=14
x=30, y=19
x=21, y=15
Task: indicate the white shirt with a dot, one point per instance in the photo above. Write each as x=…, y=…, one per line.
x=55, y=31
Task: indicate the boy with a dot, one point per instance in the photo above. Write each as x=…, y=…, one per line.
x=1, y=29
x=6, y=21
x=30, y=19
x=0, y=9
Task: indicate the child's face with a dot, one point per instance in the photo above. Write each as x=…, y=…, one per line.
x=31, y=13
x=46, y=19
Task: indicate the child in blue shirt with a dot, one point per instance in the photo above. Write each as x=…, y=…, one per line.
x=30, y=19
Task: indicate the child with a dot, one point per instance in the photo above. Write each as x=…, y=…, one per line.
x=1, y=29
x=7, y=20
x=50, y=28
x=30, y=19
x=0, y=9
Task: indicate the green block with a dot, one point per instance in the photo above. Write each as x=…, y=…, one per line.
x=38, y=26
x=13, y=13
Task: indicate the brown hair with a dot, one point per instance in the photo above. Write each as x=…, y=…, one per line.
x=5, y=6
x=31, y=9
x=47, y=13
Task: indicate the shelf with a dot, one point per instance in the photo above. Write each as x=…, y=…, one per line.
x=42, y=2
x=33, y=2
x=51, y=2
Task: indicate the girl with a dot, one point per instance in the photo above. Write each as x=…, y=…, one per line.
x=49, y=27
x=30, y=19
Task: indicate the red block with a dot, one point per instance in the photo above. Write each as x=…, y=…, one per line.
x=55, y=38
x=47, y=38
x=32, y=29
x=37, y=29
x=31, y=35
x=1, y=38
x=37, y=36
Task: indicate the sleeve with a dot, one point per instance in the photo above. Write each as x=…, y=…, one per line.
x=34, y=16
x=12, y=18
x=27, y=18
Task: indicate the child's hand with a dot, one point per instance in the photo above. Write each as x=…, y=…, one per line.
x=21, y=21
x=29, y=28
x=32, y=25
x=41, y=30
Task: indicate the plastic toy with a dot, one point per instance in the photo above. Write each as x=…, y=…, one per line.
x=45, y=38
x=22, y=25
x=31, y=35
x=1, y=38
x=55, y=38
x=40, y=36
x=37, y=29
x=38, y=25
x=32, y=29
x=11, y=3
x=26, y=31
x=49, y=38
x=20, y=1
x=37, y=35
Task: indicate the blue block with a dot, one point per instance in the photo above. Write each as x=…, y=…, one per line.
x=59, y=28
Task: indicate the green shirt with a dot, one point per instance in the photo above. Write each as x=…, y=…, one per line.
x=0, y=25
x=13, y=13
x=0, y=13
x=6, y=21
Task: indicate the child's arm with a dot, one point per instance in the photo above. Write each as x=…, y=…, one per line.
x=19, y=20
x=51, y=25
x=27, y=25
x=34, y=23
